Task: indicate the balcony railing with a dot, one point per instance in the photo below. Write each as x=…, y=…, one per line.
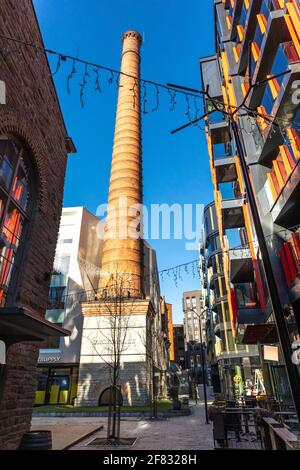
x=230, y=190
x=290, y=259
x=284, y=165
x=245, y=296
x=213, y=244
x=261, y=28
x=286, y=55
x=229, y=17
x=223, y=150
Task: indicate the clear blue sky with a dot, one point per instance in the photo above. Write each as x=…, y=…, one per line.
x=176, y=168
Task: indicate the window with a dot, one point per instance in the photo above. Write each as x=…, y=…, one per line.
x=66, y=240
x=62, y=264
x=15, y=207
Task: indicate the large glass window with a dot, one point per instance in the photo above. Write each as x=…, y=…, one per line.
x=15, y=198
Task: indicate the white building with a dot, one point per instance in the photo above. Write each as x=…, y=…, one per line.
x=67, y=372
x=75, y=276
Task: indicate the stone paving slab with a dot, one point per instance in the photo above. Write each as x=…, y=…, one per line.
x=65, y=434
x=182, y=433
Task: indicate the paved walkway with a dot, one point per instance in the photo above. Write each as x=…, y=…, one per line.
x=65, y=431
x=182, y=433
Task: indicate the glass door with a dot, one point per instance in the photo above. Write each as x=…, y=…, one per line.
x=58, y=387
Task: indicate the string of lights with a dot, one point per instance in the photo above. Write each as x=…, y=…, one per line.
x=93, y=71
x=175, y=273
x=114, y=74
x=193, y=108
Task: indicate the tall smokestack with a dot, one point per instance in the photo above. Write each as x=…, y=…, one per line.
x=121, y=253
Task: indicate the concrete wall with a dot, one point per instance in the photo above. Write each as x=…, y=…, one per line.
x=94, y=378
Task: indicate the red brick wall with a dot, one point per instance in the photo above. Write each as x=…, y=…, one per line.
x=32, y=112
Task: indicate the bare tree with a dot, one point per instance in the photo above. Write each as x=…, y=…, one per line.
x=110, y=341
x=153, y=342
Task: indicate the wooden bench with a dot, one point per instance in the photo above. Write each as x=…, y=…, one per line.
x=277, y=436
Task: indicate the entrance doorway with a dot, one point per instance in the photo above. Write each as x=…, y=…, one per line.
x=106, y=397
x=58, y=387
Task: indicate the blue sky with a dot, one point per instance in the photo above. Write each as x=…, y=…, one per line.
x=176, y=167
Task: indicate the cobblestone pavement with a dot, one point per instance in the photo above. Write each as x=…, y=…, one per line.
x=182, y=433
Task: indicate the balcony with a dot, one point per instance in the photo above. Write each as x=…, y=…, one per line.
x=217, y=263
x=225, y=169
x=283, y=184
x=232, y=213
x=218, y=286
x=246, y=305
x=211, y=259
x=264, y=333
x=222, y=150
x=264, y=57
x=219, y=132
x=233, y=16
x=221, y=327
x=259, y=35
x=279, y=101
x=290, y=260
x=211, y=76
x=217, y=302
x=209, y=221
x=241, y=266
x=221, y=21
x=249, y=30
x=231, y=205
x=213, y=247
x=286, y=212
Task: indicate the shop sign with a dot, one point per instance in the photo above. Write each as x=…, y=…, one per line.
x=49, y=359
x=271, y=353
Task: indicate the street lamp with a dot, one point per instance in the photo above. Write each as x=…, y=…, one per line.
x=202, y=362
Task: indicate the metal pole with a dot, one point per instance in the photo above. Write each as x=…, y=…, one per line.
x=284, y=339
x=203, y=372
x=195, y=371
x=202, y=366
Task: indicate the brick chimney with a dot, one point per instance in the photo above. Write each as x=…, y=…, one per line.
x=122, y=253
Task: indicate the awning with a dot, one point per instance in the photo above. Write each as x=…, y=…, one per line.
x=20, y=324
x=265, y=333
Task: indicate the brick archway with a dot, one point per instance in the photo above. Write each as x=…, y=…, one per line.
x=13, y=123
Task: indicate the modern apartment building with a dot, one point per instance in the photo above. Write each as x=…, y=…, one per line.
x=179, y=351
x=255, y=40
x=193, y=309
x=75, y=278
x=192, y=304
x=226, y=358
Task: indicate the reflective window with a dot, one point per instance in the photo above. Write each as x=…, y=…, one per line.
x=14, y=207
